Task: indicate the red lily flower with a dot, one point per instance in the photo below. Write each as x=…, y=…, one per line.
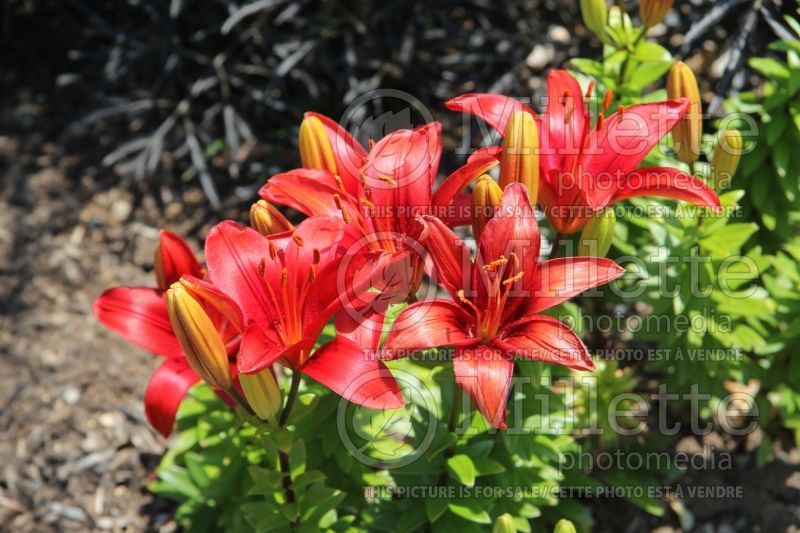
x=496, y=300
x=139, y=314
x=288, y=286
x=380, y=198
x=584, y=168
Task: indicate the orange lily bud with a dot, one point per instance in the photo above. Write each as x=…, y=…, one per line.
x=597, y=234
x=266, y=219
x=519, y=162
x=315, y=148
x=681, y=83
x=595, y=15
x=486, y=198
x=262, y=393
x=198, y=337
x=653, y=11
x=726, y=158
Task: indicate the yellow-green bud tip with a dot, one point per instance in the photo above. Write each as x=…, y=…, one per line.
x=595, y=15
x=519, y=162
x=564, y=526
x=486, y=198
x=316, y=152
x=198, y=337
x=504, y=524
x=266, y=219
x=262, y=393
x=681, y=83
x=726, y=158
x=597, y=234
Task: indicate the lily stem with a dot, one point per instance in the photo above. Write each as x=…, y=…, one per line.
x=554, y=249
x=283, y=458
x=624, y=68
x=452, y=424
x=233, y=393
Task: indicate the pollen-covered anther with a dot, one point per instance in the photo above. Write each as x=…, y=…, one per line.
x=262, y=264
x=600, y=121
x=298, y=239
x=387, y=179
x=339, y=183
x=315, y=256
x=338, y=201
x=513, y=279
x=607, y=101
x=273, y=253
x=494, y=265
x=590, y=89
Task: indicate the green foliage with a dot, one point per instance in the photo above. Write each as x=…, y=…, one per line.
x=770, y=121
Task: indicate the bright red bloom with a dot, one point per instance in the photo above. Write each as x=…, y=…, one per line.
x=379, y=194
x=496, y=300
x=139, y=314
x=585, y=167
x=288, y=286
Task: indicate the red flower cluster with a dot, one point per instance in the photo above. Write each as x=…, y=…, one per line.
x=375, y=225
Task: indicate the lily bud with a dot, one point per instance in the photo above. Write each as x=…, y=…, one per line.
x=486, y=198
x=595, y=15
x=504, y=524
x=597, y=234
x=726, y=158
x=316, y=152
x=519, y=162
x=653, y=11
x=198, y=337
x=681, y=83
x=564, y=526
x=266, y=219
x=172, y=259
x=262, y=393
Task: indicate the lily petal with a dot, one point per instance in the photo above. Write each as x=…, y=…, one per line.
x=233, y=253
x=310, y=192
x=484, y=372
x=427, y=324
x=140, y=315
x=563, y=125
x=543, y=338
x=167, y=388
x=399, y=172
x=628, y=136
x=173, y=259
x=347, y=152
x=495, y=109
x=260, y=347
x=356, y=375
x=455, y=182
x=559, y=280
x=513, y=230
x=448, y=253
x=665, y=182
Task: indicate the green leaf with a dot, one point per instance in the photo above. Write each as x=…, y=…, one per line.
x=487, y=467
x=729, y=240
x=470, y=510
x=462, y=467
x=434, y=508
x=175, y=482
x=307, y=478
x=769, y=67
x=297, y=458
